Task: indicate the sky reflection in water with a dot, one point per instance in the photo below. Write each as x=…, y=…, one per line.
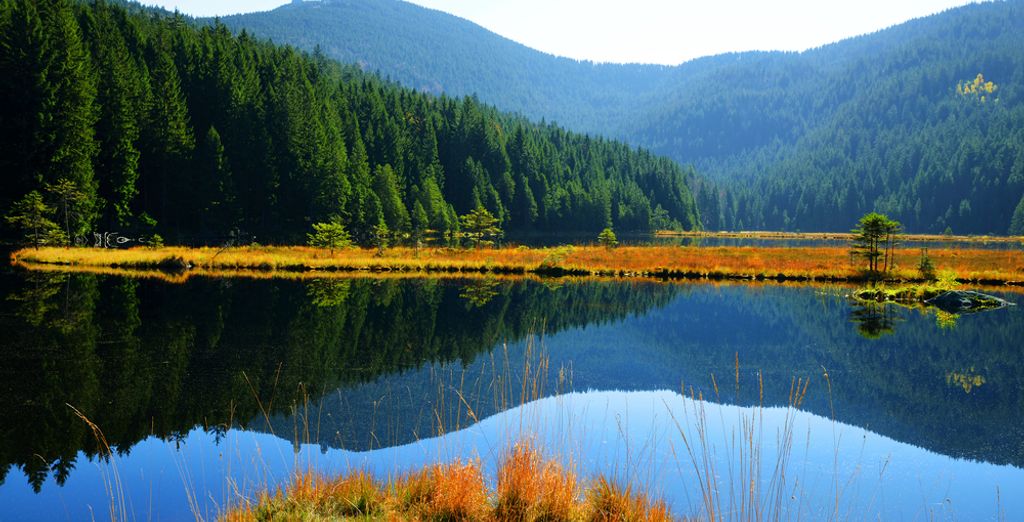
x=625, y=435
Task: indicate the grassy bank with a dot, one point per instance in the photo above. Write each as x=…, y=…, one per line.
x=990, y=267
x=528, y=489
x=835, y=236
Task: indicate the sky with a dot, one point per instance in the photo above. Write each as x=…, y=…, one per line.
x=652, y=31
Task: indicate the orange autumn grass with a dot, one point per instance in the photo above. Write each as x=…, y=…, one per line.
x=529, y=489
x=778, y=263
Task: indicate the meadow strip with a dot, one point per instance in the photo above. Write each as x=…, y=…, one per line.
x=668, y=262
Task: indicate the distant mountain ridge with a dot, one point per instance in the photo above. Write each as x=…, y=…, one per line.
x=806, y=140
x=435, y=52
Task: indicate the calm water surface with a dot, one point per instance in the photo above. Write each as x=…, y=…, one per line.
x=215, y=388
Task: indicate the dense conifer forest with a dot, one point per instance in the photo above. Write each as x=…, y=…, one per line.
x=116, y=117
x=788, y=141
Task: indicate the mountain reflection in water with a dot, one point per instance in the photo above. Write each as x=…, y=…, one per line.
x=372, y=371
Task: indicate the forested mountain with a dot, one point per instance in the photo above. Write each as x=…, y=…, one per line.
x=883, y=122
x=805, y=141
x=435, y=52
x=128, y=119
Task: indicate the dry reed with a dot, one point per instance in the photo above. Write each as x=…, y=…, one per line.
x=771, y=263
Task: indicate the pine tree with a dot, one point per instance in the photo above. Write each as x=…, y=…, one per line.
x=385, y=186
x=331, y=235
x=32, y=215
x=168, y=143
x=49, y=129
x=67, y=136
x=215, y=187
x=1017, y=223
x=480, y=226
x=119, y=98
x=23, y=62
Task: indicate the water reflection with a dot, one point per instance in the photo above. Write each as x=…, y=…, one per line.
x=874, y=319
x=352, y=366
x=805, y=466
x=141, y=358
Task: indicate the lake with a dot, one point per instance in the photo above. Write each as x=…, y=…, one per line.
x=207, y=391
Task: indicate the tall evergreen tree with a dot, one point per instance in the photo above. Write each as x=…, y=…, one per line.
x=1017, y=223
x=119, y=98
x=50, y=123
x=168, y=142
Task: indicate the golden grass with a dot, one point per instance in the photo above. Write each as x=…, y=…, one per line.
x=834, y=236
x=672, y=262
x=529, y=490
x=607, y=502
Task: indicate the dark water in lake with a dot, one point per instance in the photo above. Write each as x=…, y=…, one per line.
x=214, y=388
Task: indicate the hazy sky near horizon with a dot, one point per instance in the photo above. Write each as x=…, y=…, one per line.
x=652, y=31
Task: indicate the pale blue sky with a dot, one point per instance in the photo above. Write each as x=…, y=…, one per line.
x=652, y=31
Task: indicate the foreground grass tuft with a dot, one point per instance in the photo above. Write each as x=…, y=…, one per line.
x=532, y=490
x=607, y=502
x=529, y=489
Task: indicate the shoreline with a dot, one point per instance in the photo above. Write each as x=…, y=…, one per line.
x=833, y=236
x=779, y=264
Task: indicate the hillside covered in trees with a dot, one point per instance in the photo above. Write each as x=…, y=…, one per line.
x=796, y=141
x=122, y=118
x=435, y=52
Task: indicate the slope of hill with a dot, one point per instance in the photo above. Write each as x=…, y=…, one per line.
x=871, y=123
x=129, y=119
x=804, y=141
x=438, y=53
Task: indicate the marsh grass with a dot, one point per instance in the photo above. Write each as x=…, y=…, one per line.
x=529, y=489
x=112, y=483
x=666, y=262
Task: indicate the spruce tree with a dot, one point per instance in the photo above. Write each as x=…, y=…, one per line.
x=1017, y=222
x=385, y=185
x=119, y=98
x=168, y=142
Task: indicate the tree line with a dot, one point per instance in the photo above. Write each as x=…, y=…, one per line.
x=119, y=117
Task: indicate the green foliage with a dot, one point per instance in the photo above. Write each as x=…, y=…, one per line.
x=48, y=115
x=31, y=215
x=607, y=238
x=480, y=227
x=807, y=141
x=1017, y=222
x=926, y=267
x=380, y=235
x=71, y=206
x=186, y=129
x=331, y=235
x=876, y=236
